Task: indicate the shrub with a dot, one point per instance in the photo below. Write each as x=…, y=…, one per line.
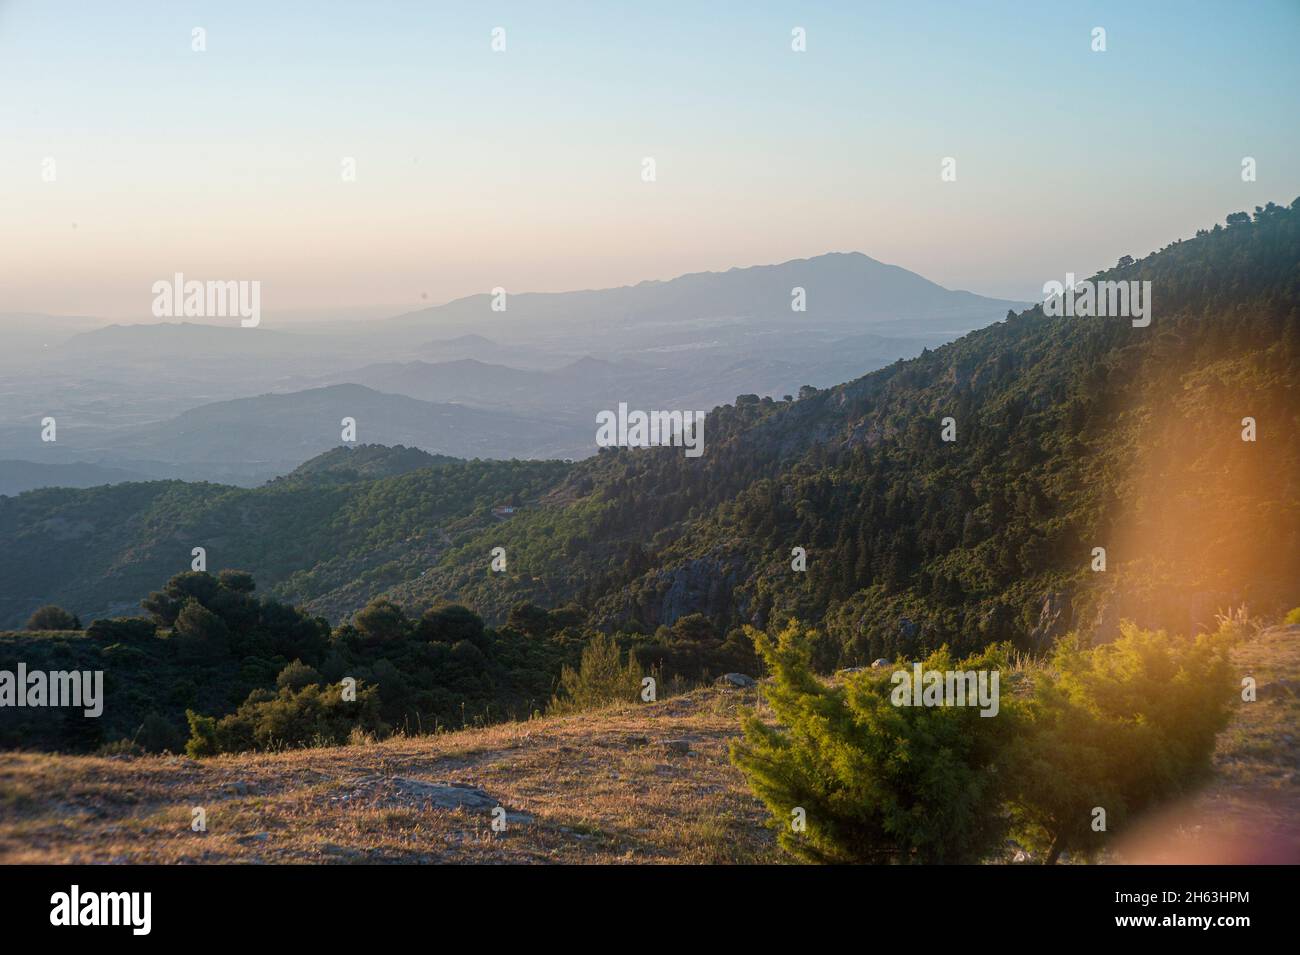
x=200, y=631
x=51, y=617
x=239, y=581
x=121, y=747
x=1237, y=624
x=315, y=715
x=297, y=675
x=1123, y=726
x=877, y=782
x=166, y=605
x=1293, y=618
x=157, y=735
x=381, y=621
x=203, y=735
x=122, y=630
x=601, y=678
x=530, y=619
x=451, y=624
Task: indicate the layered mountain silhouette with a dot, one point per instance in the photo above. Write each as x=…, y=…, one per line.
x=1070, y=434
x=212, y=400
x=843, y=289
x=251, y=440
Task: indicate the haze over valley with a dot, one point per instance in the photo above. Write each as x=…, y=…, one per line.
x=197, y=400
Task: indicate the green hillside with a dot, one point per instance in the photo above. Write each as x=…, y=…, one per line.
x=1071, y=434
x=325, y=536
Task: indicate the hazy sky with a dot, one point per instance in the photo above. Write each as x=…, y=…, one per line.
x=523, y=168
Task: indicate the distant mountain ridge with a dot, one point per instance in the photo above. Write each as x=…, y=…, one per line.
x=251, y=440
x=19, y=476
x=348, y=464
x=1070, y=433
x=160, y=400
x=326, y=536
x=842, y=288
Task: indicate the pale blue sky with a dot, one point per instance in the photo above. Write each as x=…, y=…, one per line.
x=522, y=168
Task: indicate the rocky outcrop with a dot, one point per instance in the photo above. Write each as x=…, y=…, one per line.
x=407, y=793
x=738, y=680
x=703, y=585
x=1055, y=618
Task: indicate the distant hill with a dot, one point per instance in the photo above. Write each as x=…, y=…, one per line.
x=315, y=538
x=479, y=348
x=844, y=289
x=251, y=440
x=706, y=337
x=464, y=379
x=1071, y=434
x=348, y=464
x=213, y=338
x=573, y=392
x=28, y=334
x=554, y=359
x=19, y=476
x=194, y=346
x=580, y=388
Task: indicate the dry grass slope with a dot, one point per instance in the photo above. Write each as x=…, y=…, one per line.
x=633, y=784
x=608, y=787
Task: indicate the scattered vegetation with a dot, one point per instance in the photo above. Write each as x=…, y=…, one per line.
x=601, y=678
x=341, y=529
x=51, y=617
x=978, y=554
x=1118, y=728
x=875, y=782
x=1072, y=434
x=234, y=671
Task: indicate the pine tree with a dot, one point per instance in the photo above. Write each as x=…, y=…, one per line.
x=875, y=782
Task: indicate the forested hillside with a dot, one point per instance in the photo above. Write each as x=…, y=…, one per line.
x=1071, y=434
x=328, y=536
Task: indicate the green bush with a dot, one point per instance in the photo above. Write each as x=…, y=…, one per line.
x=1124, y=726
x=200, y=632
x=1292, y=618
x=381, y=621
x=158, y=735
x=297, y=675
x=203, y=735
x=122, y=630
x=51, y=617
x=311, y=716
x=876, y=782
x=601, y=678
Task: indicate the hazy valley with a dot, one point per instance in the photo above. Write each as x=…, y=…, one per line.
x=241, y=405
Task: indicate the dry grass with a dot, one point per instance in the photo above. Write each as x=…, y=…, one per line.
x=593, y=787
x=584, y=788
